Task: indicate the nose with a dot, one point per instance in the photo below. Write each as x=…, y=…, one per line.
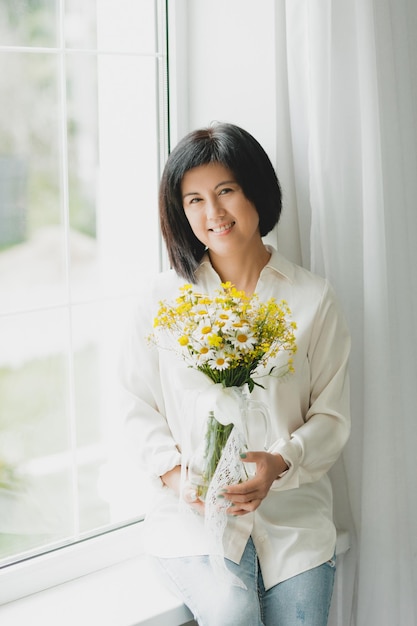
x=214, y=207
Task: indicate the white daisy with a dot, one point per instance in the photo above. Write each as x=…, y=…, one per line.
x=225, y=321
x=204, y=354
x=243, y=339
x=220, y=361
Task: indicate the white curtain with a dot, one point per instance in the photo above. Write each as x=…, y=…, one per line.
x=349, y=99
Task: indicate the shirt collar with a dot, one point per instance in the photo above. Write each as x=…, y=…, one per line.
x=277, y=263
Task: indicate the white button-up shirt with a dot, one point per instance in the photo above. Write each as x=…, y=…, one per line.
x=293, y=528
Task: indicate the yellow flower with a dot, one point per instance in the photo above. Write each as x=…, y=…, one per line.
x=227, y=335
x=215, y=341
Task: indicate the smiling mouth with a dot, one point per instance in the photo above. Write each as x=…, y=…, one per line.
x=222, y=229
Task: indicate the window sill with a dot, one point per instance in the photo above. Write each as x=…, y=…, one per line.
x=104, y=580
x=126, y=593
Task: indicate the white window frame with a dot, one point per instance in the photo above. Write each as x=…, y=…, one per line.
x=64, y=563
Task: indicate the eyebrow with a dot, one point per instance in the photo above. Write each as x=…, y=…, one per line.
x=224, y=182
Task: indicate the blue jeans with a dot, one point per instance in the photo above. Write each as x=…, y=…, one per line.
x=303, y=600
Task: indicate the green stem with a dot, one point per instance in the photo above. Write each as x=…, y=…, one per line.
x=215, y=440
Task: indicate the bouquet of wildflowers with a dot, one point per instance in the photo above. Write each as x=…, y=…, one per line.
x=227, y=337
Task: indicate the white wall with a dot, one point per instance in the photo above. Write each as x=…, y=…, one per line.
x=226, y=54
x=231, y=65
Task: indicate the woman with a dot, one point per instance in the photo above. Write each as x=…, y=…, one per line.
x=219, y=196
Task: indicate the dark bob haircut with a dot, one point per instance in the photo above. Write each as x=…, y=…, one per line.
x=243, y=155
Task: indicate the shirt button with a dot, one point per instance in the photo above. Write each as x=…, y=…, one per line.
x=261, y=539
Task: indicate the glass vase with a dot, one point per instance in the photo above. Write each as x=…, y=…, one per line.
x=223, y=438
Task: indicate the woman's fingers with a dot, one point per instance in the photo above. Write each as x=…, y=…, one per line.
x=189, y=496
x=242, y=509
x=246, y=497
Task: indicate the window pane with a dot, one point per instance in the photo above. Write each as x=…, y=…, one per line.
x=32, y=273
x=29, y=23
x=106, y=495
x=126, y=25
x=128, y=170
x=34, y=429
x=80, y=141
x=80, y=24
x=122, y=25
x=113, y=172
x=83, y=174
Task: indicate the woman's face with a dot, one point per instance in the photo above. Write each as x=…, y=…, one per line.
x=219, y=213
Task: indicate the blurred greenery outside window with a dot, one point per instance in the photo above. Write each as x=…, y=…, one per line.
x=83, y=134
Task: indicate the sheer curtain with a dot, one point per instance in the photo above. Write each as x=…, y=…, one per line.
x=351, y=107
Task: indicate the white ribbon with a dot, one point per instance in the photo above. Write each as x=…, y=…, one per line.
x=231, y=405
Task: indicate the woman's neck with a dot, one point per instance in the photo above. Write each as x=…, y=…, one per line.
x=241, y=270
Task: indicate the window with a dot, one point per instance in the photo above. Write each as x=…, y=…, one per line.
x=83, y=134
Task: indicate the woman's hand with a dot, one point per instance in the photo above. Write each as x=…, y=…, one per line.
x=246, y=497
x=172, y=479
x=189, y=495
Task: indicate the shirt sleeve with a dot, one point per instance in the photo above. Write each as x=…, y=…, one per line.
x=147, y=430
x=315, y=446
